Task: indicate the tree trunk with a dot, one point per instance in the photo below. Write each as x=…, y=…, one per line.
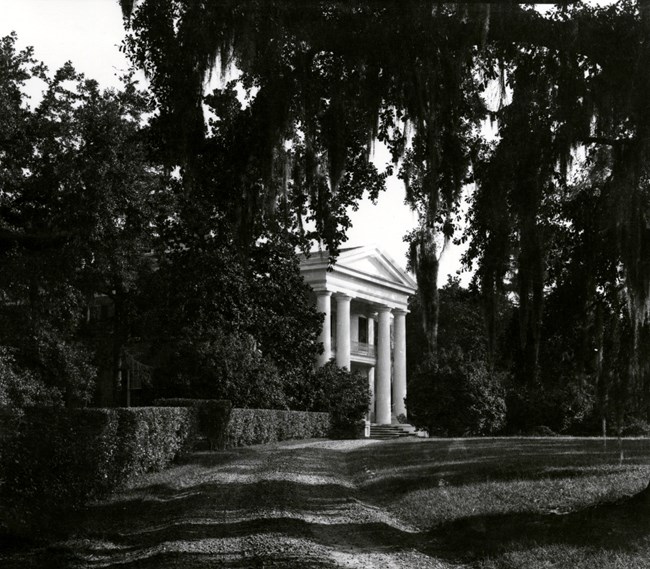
x=117, y=353
x=424, y=259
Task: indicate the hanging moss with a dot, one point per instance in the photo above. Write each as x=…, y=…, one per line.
x=333, y=76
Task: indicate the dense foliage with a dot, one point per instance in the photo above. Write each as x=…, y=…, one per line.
x=78, y=196
x=221, y=326
x=461, y=392
x=558, y=210
x=344, y=395
x=560, y=87
x=93, y=215
x=586, y=381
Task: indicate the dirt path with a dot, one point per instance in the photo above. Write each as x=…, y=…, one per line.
x=365, y=504
x=284, y=505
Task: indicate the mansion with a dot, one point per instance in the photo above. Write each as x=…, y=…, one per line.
x=364, y=298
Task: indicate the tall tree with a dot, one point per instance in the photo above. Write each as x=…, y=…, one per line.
x=337, y=75
x=327, y=78
x=78, y=202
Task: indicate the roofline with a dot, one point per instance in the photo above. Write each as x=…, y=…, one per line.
x=320, y=260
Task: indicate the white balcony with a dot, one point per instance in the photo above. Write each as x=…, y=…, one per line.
x=361, y=349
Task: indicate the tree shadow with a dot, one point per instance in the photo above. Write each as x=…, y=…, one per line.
x=616, y=526
x=167, y=520
x=402, y=467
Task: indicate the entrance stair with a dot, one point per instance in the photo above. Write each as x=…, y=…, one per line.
x=394, y=431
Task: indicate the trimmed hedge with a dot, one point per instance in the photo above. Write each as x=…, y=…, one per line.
x=212, y=416
x=58, y=459
x=225, y=427
x=259, y=426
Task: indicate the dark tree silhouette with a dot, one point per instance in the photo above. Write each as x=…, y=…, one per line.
x=328, y=78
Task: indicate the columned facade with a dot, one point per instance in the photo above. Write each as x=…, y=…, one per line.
x=364, y=299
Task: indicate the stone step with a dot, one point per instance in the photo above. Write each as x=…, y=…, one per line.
x=391, y=431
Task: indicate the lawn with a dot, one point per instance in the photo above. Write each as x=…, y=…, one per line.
x=416, y=503
x=518, y=502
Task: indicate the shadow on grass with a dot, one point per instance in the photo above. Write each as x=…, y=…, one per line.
x=162, y=504
x=210, y=561
x=613, y=527
x=181, y=517
x=622, y=526
x=400, y=467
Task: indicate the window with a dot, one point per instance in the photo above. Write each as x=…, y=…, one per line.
x=363, y=330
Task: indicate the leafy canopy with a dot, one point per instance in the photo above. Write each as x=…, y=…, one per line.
x=328, y=78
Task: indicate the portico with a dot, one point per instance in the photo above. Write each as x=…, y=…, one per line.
x=364, y=298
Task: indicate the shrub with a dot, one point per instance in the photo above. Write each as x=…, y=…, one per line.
x=541, y=431
x=344, y=395
x=214, y=364
x=456, y=397
x=635, y=427
x=57, y=459
x=259, y=426
x=563, y=407
x=212, y=416
x=22, y=387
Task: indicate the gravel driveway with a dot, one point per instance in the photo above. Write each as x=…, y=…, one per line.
x=293, y=504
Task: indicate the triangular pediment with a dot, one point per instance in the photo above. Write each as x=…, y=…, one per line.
x=375, y=264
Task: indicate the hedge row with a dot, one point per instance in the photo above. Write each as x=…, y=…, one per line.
x=259, y=426
x=60, y=458
x=212, y=417
x=225, y=427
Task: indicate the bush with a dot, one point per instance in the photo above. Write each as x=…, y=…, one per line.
x=259, y=426
x=563, y=407
x=41, y=366
x=456, y=397
x=58, y=459
x=212, y=416
x=344, y=395
x=219, y=365
x=635, y=427
x=22, y=387
x=540, y=431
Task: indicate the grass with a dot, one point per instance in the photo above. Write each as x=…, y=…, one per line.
x=518, y=503
x=480, y=503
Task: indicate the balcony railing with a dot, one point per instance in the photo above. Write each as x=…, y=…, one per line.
x=361, y=349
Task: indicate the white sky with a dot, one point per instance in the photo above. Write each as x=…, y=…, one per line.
x=88, y=33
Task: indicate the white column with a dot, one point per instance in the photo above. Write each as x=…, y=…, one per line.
x=343, y=331
x=324, y=305
x=383, y=367
x=399, y=362
x=371, y=371
x=371, y=388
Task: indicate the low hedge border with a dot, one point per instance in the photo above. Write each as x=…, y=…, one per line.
x=58, y=459
x=212, y=415
x=225, y=427
x=260, y=426
x=54, y=460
